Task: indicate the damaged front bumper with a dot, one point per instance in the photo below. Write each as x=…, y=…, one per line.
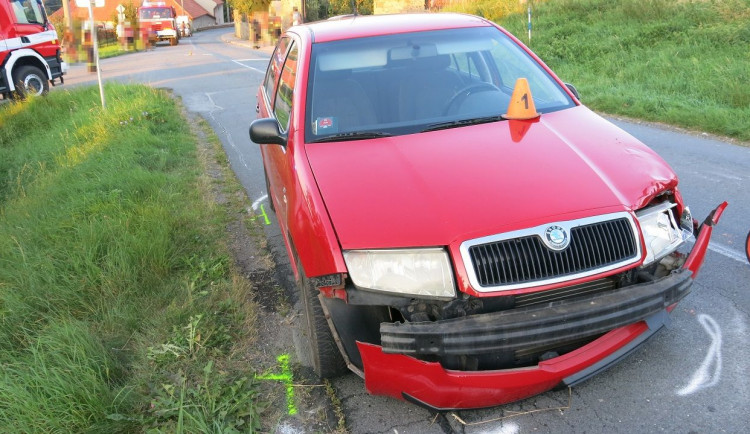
x=627, y=317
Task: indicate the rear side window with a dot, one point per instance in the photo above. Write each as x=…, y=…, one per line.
x=274, y=67
x=284, y=94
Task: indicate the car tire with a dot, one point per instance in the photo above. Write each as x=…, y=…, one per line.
x=30, y=80
x=173, y=42
x=747, y=247
x=324, y=354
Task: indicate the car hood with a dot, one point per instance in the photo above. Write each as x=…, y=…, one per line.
x=443, y=187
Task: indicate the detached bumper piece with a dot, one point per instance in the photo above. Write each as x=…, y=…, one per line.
x=535, y=328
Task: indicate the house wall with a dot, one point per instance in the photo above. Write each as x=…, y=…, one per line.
x=204, y=21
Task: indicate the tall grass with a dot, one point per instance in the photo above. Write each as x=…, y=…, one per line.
x=681, y=62
x=107, y=249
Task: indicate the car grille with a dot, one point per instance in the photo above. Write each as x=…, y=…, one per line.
x=526, y=259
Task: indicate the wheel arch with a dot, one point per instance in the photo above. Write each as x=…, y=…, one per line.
x=24, y=57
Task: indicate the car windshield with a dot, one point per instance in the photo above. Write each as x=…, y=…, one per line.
x=412, y=82
x=156, y=13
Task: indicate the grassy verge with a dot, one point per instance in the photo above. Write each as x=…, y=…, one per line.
x=114, y=50
x=679, y=62
x=120, y=310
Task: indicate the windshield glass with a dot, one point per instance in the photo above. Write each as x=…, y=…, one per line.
x=406, y=83
x=28, y=11
x=156, y=13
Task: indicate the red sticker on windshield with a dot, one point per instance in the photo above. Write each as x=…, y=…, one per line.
x=326, y=125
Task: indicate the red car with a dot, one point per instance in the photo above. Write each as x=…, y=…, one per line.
x=464, y=233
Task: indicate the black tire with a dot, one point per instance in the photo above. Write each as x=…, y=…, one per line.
x=29, y=80
x=747, y=247
x=322, y=350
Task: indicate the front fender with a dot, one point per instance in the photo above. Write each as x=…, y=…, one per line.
x=15, y=56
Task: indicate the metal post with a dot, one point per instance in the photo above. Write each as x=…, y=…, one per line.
x=94, y=39
x=529, y=23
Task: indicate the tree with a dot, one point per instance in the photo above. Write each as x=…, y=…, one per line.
x=344, y=7
x=247, y=7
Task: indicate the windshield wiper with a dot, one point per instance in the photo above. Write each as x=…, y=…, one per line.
x=354, y=135
x=462, y=123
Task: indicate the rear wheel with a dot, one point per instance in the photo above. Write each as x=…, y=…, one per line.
x=324, y=354
x=30, y=80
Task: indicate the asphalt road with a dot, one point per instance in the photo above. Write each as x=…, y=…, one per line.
x=693, y=377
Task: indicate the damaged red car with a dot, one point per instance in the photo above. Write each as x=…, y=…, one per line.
x=464, y=233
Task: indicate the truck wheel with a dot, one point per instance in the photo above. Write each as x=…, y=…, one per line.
x=173, y=41
x=321, y=347
x=30, y=80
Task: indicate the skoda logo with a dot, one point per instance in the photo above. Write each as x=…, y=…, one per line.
x=556, y=238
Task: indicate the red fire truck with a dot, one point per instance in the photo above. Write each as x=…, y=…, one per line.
x=158, y=23
x=29, y=50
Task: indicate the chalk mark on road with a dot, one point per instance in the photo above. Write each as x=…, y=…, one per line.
x=709, y=372
x=224, y=130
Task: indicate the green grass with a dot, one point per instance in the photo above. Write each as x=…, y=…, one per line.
x=685, y=63
x=119, y=308
x=114, y=50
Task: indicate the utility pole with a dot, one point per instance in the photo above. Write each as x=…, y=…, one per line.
x=68, y=18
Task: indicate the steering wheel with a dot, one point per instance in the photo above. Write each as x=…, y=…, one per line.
x=465, y=91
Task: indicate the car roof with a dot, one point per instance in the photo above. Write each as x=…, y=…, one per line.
x=358, y=26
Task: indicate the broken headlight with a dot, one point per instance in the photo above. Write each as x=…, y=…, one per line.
x=661, y=232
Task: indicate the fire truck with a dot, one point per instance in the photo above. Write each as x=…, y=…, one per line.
x=29, y=50
x=158, y=23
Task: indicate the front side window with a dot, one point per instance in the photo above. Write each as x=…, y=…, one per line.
x=28, y=11
x=410, y=82
x=284, y=94
x=274, y=66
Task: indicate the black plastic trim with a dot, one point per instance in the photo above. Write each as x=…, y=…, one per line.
x=536, y=326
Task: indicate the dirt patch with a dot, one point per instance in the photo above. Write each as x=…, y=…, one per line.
x=301, y=403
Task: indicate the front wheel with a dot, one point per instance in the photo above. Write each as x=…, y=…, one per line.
x=30, y=80
x=320, y=345
x=173, y=41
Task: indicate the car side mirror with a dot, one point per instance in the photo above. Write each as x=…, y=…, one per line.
x=266, y=132
x=573, y=90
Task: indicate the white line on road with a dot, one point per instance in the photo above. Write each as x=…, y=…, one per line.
x=726, y=251
x=250, y=60
x=248, y=67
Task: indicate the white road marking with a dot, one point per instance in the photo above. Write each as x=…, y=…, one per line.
x=248, y=67
x=728, y=252
x=250, y=60
x=709, y=372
